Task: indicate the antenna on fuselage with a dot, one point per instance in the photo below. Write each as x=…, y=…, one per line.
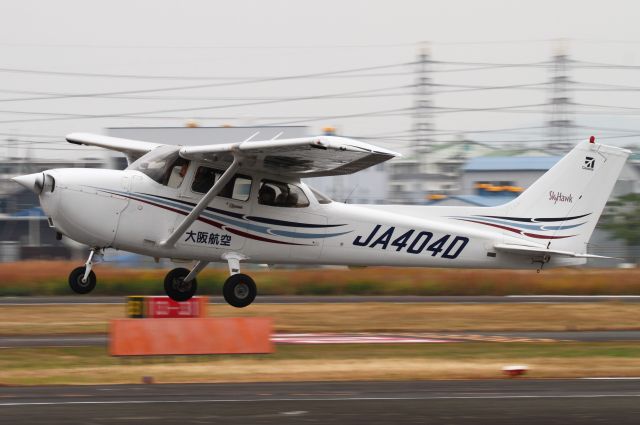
x=346, y=200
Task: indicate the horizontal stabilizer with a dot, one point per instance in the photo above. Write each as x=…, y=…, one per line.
x=538, y=250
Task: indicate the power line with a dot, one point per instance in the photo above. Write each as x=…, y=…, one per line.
x=209, y=85
x=358, y=115
x=216, y=98
x=28, y=135
x=63, y=116
x=266, y=101
x=574, y=139
x=234, y=80
x=211, y=47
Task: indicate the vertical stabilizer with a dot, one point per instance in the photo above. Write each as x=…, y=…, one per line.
x=562, y=207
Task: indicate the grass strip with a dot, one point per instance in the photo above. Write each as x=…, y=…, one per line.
x=50, y=278
x=355, y=317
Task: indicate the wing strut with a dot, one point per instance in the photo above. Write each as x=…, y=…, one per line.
x=202, y=204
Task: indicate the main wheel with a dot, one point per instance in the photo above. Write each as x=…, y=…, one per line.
x=175, y=286
x=239, y=290
x=76, y=283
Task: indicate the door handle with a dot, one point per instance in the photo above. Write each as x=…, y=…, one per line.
x=232, y=205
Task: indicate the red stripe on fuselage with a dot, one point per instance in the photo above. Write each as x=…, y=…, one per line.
x=511, y=229
x=533, y=235
x=218, y=225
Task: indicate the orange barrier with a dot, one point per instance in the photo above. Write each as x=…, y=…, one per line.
x=148, y=337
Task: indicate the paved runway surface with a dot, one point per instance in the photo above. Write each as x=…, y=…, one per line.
x=425, y=402
x=355, y=338
x=303, y=299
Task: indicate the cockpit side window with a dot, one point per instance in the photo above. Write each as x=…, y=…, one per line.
x=176, y=173
x=279, y=194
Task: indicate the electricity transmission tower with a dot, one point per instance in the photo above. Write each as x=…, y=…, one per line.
x=422, y=117
x=560, y=122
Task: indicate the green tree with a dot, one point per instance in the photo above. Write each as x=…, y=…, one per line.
x=622, y=219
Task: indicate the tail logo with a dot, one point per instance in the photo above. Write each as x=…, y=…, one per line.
x=589, y=163
x=560, y=197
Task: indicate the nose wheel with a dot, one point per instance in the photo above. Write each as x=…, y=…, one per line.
x=82, y=280
x=239, y=290
x=79, y=284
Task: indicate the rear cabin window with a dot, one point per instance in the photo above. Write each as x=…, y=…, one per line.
x=278, y=194
x=238, y=188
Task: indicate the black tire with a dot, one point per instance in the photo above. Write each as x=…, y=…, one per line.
x=239, y=290
x=76, y=283
x=175, y=286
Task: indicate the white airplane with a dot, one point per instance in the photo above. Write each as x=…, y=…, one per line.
x=244, y=202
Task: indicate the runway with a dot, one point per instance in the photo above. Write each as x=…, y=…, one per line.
x=93, y=340
x=505, y=401
x=305, y=299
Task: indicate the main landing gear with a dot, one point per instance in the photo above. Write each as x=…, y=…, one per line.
x=82, y=279
x=180, y=284
x=239, y=290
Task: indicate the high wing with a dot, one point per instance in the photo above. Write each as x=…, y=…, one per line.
x=302, y=157
x=133, y=149
x=540, y=251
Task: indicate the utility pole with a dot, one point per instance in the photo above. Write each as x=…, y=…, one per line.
x=560, y=122
x=422, y=118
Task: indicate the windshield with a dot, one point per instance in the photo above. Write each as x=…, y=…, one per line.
x=157, y=163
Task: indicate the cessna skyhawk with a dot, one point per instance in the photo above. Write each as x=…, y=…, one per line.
x=245, y=202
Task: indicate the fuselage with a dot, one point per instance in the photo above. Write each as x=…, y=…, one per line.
x=128, y=210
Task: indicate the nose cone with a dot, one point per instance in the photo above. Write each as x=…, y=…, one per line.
x=33, y=182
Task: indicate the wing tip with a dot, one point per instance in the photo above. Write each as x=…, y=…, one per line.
x=78, y=138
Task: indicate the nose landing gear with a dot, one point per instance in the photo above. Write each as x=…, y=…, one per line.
x=82, y=280
x=79, y=284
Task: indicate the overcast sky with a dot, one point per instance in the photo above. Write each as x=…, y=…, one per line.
x=226, y=41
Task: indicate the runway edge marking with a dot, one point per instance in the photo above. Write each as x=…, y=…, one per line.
x=479, y=397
